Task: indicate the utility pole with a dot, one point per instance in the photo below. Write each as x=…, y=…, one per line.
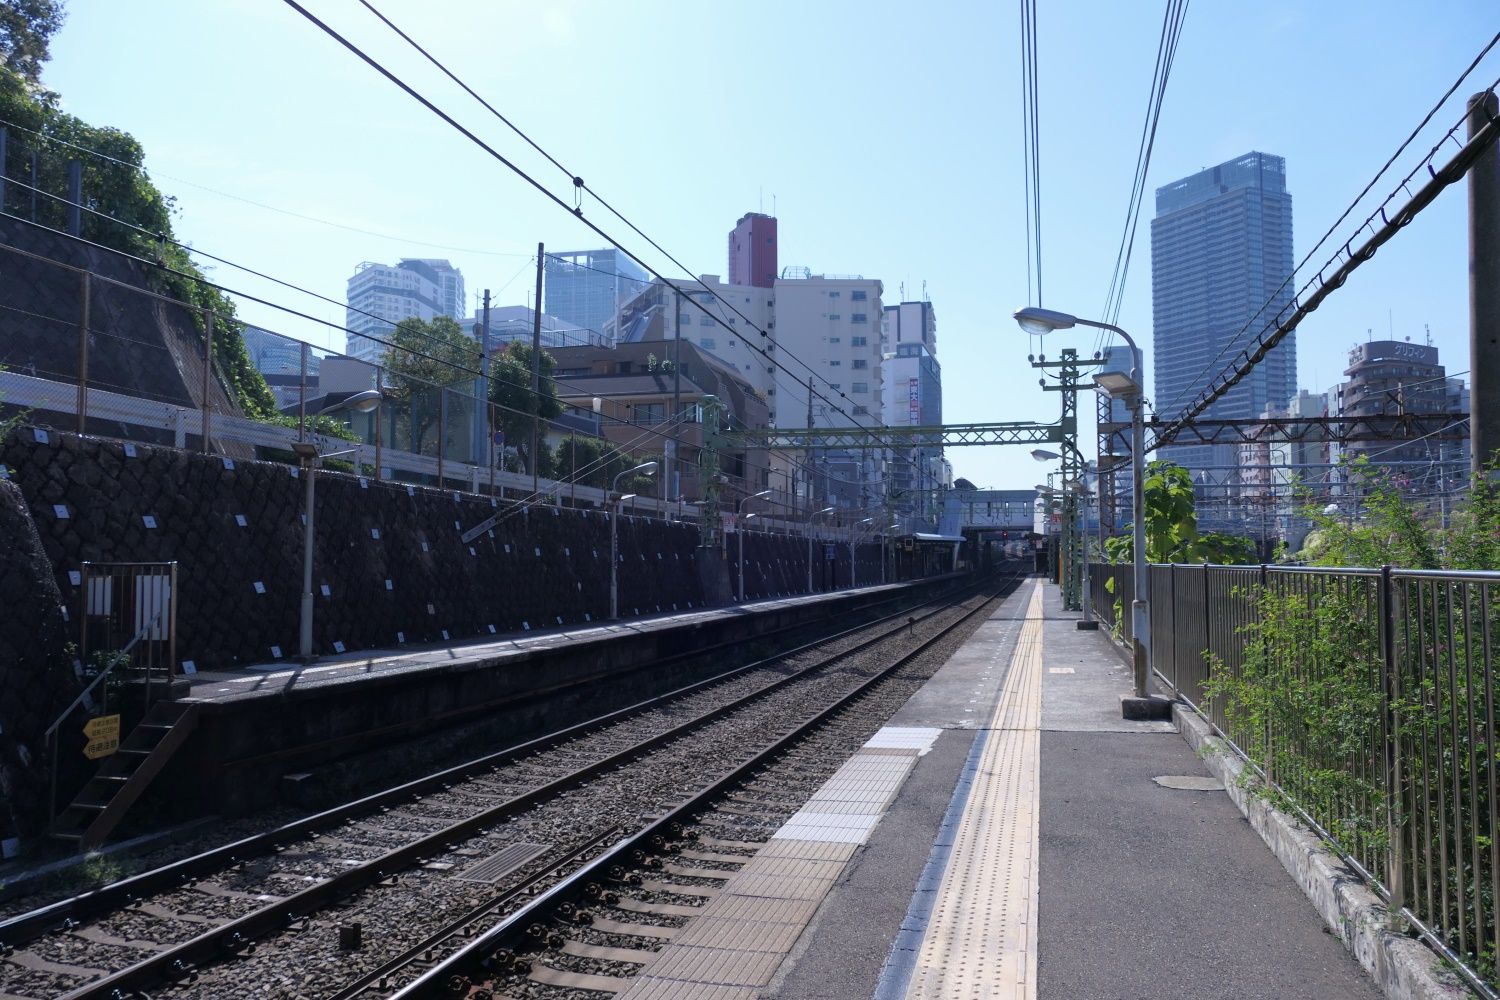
x=812, y=489
x=1484, y=290
x=536, y=372
x=482, y=414
x=673, y=470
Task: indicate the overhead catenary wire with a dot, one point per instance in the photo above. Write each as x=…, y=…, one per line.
x=145, y=172
x=645, y=432
x=1271, y=335
x=575, y=210
x=1030, y=150
x=1173, y=16
x=1390, y=161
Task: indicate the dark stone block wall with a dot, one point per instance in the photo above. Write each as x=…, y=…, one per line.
x=390, y=556
x=36, y=674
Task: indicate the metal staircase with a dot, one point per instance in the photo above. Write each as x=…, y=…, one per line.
x=123, y=776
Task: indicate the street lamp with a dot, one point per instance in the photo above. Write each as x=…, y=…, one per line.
x=853, y=565
x=811, y=518
x=307, y=455
x=1128, y=389
x=309, y=458
x=1043, y=455
x=739, y=522
x=645, y=469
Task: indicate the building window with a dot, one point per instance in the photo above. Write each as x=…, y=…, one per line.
x=834, y=363
x=833, y=295
x=861, y=363
x=834, y=317
x=857, y=296
x=861, y=387
x=706, y=343
x=833, y=340
x=859, y=318
x=860, y=411
x=705, y=321
x=857, y=341
x=834, y=386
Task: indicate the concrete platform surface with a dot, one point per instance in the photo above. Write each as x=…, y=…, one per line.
x=1031, y=851
x=284, y=675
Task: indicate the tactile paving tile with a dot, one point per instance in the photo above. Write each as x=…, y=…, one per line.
x=981, y=941
x=735, y=944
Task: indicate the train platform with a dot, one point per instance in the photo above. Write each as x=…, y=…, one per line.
x=287, y=732
x=1008, y=834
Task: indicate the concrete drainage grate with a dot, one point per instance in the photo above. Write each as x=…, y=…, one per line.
x=502, y=862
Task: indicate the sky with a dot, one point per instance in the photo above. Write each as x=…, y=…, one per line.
x=885, y=136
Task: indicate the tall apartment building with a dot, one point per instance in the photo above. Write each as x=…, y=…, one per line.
x=832, y=324
x=1397, y=376
x=1116, y=506
x=752, y=251
x=912, y=381
x=588, y=287
x=1221, y=254
x=380, y=296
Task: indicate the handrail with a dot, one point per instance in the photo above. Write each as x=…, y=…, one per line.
x=99, y=678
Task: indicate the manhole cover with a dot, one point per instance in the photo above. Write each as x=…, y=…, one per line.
x=1190, y=782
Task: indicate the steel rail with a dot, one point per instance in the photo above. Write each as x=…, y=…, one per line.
x=236, y=935
x=21, y=929
x=440, y=977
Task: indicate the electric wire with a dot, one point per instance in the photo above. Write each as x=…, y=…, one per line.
x=545, y=191
x=1287, y=281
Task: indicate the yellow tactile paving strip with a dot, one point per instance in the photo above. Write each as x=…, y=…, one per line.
x=981, y=941
x=735, y=944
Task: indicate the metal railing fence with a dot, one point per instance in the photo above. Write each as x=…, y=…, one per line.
x=1365, y=699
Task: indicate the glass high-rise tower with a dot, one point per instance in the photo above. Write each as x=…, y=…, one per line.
x=1221, y=260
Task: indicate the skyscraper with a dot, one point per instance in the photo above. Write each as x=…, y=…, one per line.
x=587, y=287
x=1221, y=257
x=752, y=251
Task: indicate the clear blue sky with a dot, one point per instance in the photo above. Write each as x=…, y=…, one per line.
x=886, y=135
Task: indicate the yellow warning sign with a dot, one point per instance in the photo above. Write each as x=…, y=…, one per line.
x=103, y=735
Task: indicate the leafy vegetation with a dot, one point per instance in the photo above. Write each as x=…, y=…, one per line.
x=1311, y=697
x=1172, y=525
x=510, y=389
x=115, y=187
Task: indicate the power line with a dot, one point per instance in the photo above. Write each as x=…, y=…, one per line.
x=140, y=169
x=1031, y=142
x=578, y=184
x=1287, y=281
x=1166, y=52
x=1269, y=337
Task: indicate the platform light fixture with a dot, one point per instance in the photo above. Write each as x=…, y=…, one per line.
x=1039, y=322
x=644, y=469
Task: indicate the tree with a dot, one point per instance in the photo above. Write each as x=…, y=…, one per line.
x=115, y=187
x=510, y=390
x=425, y=356
x=1172, y=525
x=26, y=30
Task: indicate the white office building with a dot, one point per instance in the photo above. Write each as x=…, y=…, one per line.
x=380, y=296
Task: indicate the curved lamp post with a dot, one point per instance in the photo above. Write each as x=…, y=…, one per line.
x=739, y=521
x=1128, y=389
x=645, y=469
x=853, y=562
x=310, y=460
x=811, y=520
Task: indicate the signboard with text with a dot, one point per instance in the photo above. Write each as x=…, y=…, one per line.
x=103, y=735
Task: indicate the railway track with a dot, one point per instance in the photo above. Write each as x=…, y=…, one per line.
x=317, y=909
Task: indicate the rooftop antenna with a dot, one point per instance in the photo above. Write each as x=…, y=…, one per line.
x=1390, y=324
x=761, y=208
x=924, y=289
x=1428, y=327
